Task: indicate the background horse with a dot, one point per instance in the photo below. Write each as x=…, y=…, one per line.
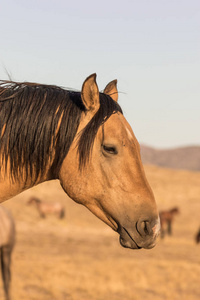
x=83, y=140
x=48, y=208
x=197, y=237
x=7, y=240
x=166, y=220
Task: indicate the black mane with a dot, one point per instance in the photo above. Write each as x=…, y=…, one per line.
x=38, y=122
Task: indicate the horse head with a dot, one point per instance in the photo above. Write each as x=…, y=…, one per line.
x=112, y=182
x=175, y=210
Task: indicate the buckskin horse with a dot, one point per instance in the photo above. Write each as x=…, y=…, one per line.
x=7, y=241
x=82, y=139
x=45, y=207
x=166, y=220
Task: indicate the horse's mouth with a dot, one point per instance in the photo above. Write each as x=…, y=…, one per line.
x=128, y=241
x=129, y=238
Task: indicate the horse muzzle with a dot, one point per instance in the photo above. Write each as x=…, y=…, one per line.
x=142, y=235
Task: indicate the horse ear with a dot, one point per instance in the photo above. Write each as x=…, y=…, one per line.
x=111, y=90
x=90, y=93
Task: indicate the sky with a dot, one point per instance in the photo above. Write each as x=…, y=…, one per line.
x=151, y=47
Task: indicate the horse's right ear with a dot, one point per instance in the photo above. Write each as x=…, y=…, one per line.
x=90, y=94
x=111, y=90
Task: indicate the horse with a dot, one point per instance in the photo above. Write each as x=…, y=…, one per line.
x=83, y=140
x=7, y=241
x=47, y=207
x=197, y=237
x=166, y=219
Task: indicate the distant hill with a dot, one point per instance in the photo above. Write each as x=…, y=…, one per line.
x=187, y=158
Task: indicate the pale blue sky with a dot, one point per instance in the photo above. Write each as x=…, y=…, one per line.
x=151, y=46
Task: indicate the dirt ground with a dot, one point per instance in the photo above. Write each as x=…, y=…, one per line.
x=80, y=258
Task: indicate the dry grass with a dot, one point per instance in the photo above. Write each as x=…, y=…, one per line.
x=80, y=258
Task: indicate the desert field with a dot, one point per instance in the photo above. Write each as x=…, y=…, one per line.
x=80, y=258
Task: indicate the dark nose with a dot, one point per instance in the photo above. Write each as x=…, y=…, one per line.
x=146, y=227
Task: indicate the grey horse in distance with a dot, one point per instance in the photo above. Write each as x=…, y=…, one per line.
x=7, y=241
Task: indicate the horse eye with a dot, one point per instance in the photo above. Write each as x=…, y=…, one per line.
x=110, y=149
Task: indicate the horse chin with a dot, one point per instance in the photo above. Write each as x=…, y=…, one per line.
x=128, y=243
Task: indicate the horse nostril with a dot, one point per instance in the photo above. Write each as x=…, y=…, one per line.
x=143, y=228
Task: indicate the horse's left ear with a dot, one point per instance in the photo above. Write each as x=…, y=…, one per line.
x=90, y=94
x=111, y=90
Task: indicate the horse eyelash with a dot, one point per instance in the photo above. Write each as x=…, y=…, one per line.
x=110, y=149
